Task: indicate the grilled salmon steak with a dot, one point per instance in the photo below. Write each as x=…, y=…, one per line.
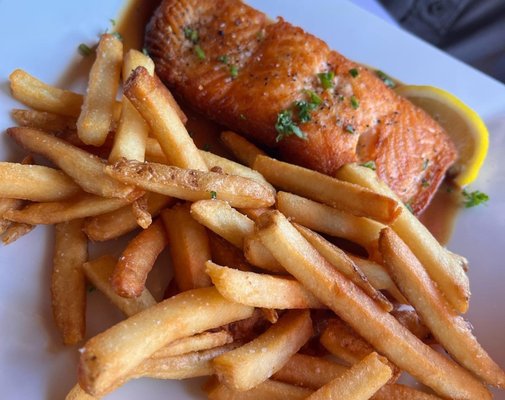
x=284, y=88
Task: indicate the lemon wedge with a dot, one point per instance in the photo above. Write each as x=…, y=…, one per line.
x=463, y=125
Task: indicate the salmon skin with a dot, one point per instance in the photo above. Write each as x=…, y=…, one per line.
x=284, y=88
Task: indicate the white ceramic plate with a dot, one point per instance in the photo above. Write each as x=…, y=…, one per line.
x=41, y=37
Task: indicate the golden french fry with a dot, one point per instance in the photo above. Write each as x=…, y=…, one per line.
x=253, y=213
x=253, y=363
x=99, y=272
x=241, y=148
x=154, y=102
x=259, y=256
x=443, y=268
x=221, y=218
x=448, y=327
x=269, y=389
x=6, y=205
x=322, y=218
x=137, y=260
x=97, y=112
x=360, y=382
x=77, y=393
x=378, y=277
x=68, y=284
x=117, y=351
x=342, y=195
x=189, y=247
x=308, y=371
x=15, y=231
x=377, y=326
x=258, y=290
x=40, y=96
x=409, y=318
x=224, y=253
x=84, y=168
x=192, y=185
x=134, y=58
x=343, y=264
x=45, y=121
x=35, y=183
x=402, y=392
x=122, y=220
x=87, y=205
x=143, y=217
x=199, y=342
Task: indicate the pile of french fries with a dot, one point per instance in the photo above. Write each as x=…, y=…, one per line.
x=260, y=301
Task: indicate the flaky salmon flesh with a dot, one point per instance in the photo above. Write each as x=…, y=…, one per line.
x=284, y=88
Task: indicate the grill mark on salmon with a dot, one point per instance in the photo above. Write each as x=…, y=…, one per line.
x=277, y=63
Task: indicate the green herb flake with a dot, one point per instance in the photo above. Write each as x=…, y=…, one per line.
x=191, y=34
x=385, y=78
x=223, y=59
x=285, y=126
x=425, y=183
x=475, y=198
x=350, y=129
x=326, y=79
x=314, y=98
x=213, y=195
x=409, y=207
x=112, y=22
x=85, y=50
x=233, y=71
x=199, y=52
x=354, y=72
x=354, y=102
x=144, y=50
x=370, y=165
x=117, y=35
x=304, y=109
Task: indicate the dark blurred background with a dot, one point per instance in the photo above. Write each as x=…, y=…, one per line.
x=471, y=30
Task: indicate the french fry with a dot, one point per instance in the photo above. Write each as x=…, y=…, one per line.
x=6, y=205
x=342, y=195
x=84, y=168
x=189, y=247
x=116, y=223
x=132, y=131
x=137, y=260
x=444, y=269
x=409, y=318
x=45, y=121
x=154, y=102
x=322, y=218
x=35, y=183
x=448, y=327
x=241, y=148
x=308, y=371
x=249, y=365
x=224, y=253
x=192, y=185
x=258, y=290
x=199, y=342
x=253, y=213
x=97, y=112
x=360, y=382
x=259, y=256
x=87, y=205
x=99, y=271
x=15, y=231
x=221, y=218
x=378, y=327
x=402, y=392
x=68, y=284
x=117, y=351
x=344, y=264
x=40, y=96
x=378, y=277
x=271, y=390
x=142, y=215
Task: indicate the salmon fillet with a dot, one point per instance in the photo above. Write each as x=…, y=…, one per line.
x=263, y=79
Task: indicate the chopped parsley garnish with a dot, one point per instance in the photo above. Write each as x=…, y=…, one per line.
x=354, y=102
x=409, y=207
x=475, y=198
x=285, y=126
x=117, y=35
x=354, y=72
x=112, y=22
x=425, y=164
x=199, y=52
x=385, y=78
x=85, y=50
x=191, y=34
x=144, y=50
x=369, y=164
x=314, y=98
x=425, y=183
x=223, y=59
x=349, y=129
x=213, y=195
x=326, y=79
x=233, y=71
x=304, y=109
